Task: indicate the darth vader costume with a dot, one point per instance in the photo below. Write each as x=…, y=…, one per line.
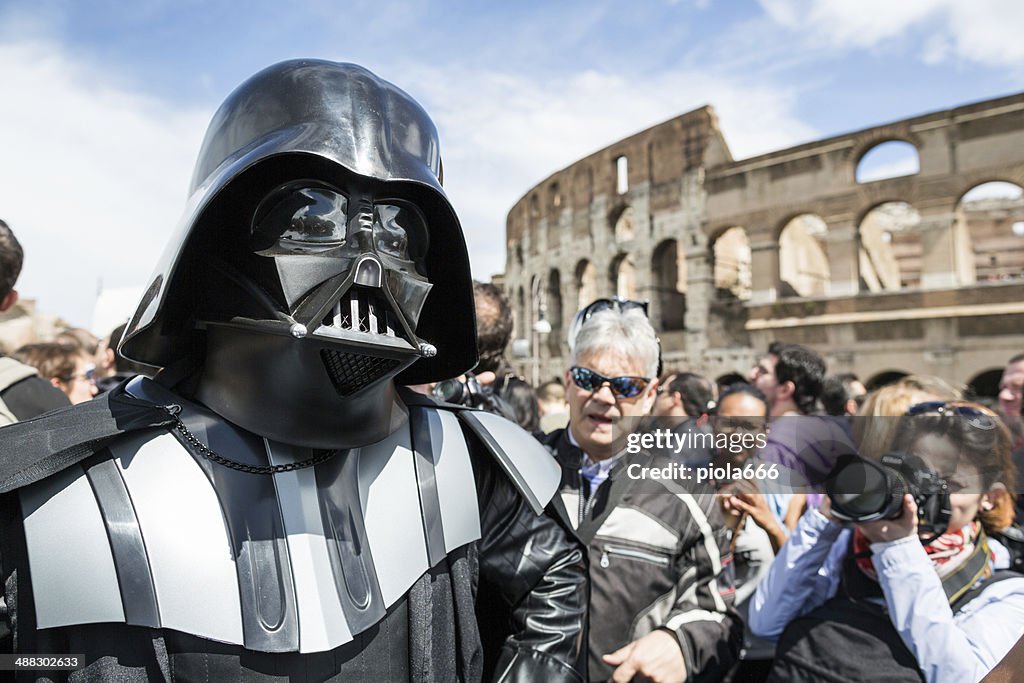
x=273, y=505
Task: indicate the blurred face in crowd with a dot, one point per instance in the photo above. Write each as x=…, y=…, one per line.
x=80, y=386
x=666, y=402
x=763, y=377
x=593, y=412
x=1011, y=387
x=858, y=392
x=965, y=482
x=740, y=413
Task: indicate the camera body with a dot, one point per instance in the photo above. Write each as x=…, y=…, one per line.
x=863, y=490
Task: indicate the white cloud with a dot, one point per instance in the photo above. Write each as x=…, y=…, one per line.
x=503, y=133
x=102, y=171
x=982, y=31
x=94, y=176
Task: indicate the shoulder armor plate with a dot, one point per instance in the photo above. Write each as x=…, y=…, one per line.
x=526, y=462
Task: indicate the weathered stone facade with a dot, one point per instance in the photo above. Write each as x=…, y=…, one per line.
x=892, y=275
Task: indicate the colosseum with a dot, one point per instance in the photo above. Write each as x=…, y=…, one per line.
x=917, y=271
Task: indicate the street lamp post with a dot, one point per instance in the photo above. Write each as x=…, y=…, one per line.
x=541, y=328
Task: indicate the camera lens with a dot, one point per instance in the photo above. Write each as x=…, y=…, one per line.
x=450, y=391
x=862, y=490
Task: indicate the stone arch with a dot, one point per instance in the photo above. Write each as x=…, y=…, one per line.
x=624, y=226
x=885, y=158
x=668, y=268
x=622, y=276
x=989, y=230
x=731, y=260
x=985, y=384
x=890, y=248
x=803, y=262
x=586, y=283
x=554, y=197
x=884, y=378
x=554, y=312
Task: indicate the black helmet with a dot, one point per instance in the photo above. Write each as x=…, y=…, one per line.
x=317, y=217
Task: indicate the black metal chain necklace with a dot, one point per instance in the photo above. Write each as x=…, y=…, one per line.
x=213, y=456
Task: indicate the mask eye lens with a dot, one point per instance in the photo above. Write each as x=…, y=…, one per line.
x=306, y=220
x=321, y=221
x=399, y=230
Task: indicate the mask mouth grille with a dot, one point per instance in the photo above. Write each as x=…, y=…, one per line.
x=350, y=372
x=364, y=311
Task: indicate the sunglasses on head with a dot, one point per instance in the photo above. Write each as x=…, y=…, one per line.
x=616, y=303
x=975, y=417
x=622, y=387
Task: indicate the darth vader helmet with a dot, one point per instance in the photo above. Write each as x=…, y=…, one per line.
x=319, y=256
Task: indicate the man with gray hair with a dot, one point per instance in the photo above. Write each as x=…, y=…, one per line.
x=660, y=604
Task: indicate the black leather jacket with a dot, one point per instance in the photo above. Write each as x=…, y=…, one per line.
x=659, y=559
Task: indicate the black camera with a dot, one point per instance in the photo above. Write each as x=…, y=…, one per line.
x=863, y=490
x=465, y=393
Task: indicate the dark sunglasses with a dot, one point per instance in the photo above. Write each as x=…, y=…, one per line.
x=975, y=417
x=622, y=387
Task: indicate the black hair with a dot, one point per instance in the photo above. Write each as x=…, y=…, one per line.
x=742, y=388
x=836, y=391
x=696, y=392
x=520, y=395
x=493, y=325
x=805, y=369
x=12, y=256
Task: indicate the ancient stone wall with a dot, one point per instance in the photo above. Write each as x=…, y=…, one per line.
x=898, y=274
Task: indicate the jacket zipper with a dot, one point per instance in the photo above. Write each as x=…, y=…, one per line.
x=586, y=505
x=634, y=554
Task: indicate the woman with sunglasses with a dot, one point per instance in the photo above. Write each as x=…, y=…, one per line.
x=893, y=598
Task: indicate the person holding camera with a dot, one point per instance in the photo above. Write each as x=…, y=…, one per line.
x=917, y=588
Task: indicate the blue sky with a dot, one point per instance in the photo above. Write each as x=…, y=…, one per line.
x=103, y=104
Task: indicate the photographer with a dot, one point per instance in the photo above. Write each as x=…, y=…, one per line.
x=906, y=595
x=493, y=387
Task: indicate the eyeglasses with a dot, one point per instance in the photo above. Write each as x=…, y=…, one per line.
x=84, y=376
x=622, y=387
x=975, y=417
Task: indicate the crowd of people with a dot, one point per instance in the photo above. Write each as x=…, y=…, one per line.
x=815, y=596
x=642, y=524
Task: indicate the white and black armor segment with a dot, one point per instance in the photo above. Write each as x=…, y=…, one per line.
x=527, y=463
x=297, y=561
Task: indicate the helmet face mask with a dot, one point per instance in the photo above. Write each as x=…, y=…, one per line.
x=340, y=268
x=318, y=259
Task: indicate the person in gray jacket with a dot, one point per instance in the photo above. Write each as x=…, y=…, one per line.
x=660, y=592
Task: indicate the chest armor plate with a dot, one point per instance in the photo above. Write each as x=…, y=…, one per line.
x=149, y=533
